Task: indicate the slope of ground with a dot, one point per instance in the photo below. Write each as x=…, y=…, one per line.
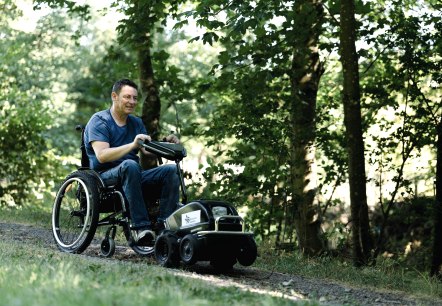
x=292, y=287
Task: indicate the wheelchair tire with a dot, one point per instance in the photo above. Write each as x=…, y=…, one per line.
x=75, y=212
x=142, y=250
x=166, y=251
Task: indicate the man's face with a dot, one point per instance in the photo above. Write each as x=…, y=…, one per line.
x=126, y=101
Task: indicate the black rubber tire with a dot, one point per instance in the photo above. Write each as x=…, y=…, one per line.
x=247, y=252
x=75, y=212
x=223, y=262
x=189, y=249
x=107, y=247
x=166, y=251
x=143, y=250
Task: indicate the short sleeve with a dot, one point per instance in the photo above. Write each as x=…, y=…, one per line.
x=141, y=127
x=98, y=130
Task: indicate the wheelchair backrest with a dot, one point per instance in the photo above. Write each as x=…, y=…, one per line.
x=84, y=157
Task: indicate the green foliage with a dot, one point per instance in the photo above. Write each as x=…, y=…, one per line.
x=410, y=224
x=144, y=19
x=28, y=214
x=229, y=87
x=249, y=127
x=91, y=91
x=400, y=84
x=24, y=147
x=25, y=114
x=37, y=129
x=72, y=7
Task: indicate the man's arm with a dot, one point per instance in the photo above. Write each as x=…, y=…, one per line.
x=106, y=154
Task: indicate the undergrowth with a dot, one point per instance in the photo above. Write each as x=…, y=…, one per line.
x=387, y=274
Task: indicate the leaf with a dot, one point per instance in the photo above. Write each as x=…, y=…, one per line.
x=210, y=37
x=196, y=38
x=223, y=57
x=180, y=24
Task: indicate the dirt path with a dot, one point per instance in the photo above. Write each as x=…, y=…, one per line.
x=292, y=287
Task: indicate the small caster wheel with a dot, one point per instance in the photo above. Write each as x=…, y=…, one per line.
x=107, y=247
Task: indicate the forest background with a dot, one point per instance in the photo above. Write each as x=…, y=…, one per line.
x=257, y=94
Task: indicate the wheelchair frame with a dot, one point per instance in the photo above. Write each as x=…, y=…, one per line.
x=83, y=197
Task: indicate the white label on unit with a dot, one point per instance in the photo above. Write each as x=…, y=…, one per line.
x=191, y=217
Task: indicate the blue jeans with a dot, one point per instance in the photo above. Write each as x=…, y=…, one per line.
x=162, y=181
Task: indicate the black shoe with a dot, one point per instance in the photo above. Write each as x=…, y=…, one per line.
x=144, y=237
x=159, y=228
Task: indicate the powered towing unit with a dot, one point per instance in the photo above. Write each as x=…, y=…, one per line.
x=202, y=230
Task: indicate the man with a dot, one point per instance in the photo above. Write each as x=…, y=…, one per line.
x=111, y=138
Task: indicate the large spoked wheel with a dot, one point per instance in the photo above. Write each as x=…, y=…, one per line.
x=247, y=251
x=75, y=212
x=189, y=248
x=166, y=251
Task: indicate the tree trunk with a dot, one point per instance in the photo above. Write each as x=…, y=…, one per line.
x=361, y=240
x=151, y=101
x=138, y=31
x=436, y=265
x=305, y=75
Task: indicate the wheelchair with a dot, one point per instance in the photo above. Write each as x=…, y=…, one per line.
x=84, y=202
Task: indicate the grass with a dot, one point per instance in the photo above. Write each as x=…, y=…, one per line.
x=387, y=274
x=38, y=275
x=35, y=275
x=35, y=215
x=32, y=274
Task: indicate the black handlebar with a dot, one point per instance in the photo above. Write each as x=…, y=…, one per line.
x=167, y=150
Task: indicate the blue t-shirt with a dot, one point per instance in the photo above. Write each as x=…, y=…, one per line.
x=102, y=127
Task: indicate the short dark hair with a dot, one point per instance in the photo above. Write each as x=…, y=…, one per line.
x=123, y=82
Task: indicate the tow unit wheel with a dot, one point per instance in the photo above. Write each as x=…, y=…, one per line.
x=189, y=248
x=166, y=251
x=108, y=247
x=247, y=251
x=223, y=262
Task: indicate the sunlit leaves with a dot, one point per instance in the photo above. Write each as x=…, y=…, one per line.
x=400, y=87
x=72, y=7
x=33, y=68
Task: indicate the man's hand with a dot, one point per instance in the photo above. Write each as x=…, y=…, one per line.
x=139, y=137
x=172, y=138
x=143, y=138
